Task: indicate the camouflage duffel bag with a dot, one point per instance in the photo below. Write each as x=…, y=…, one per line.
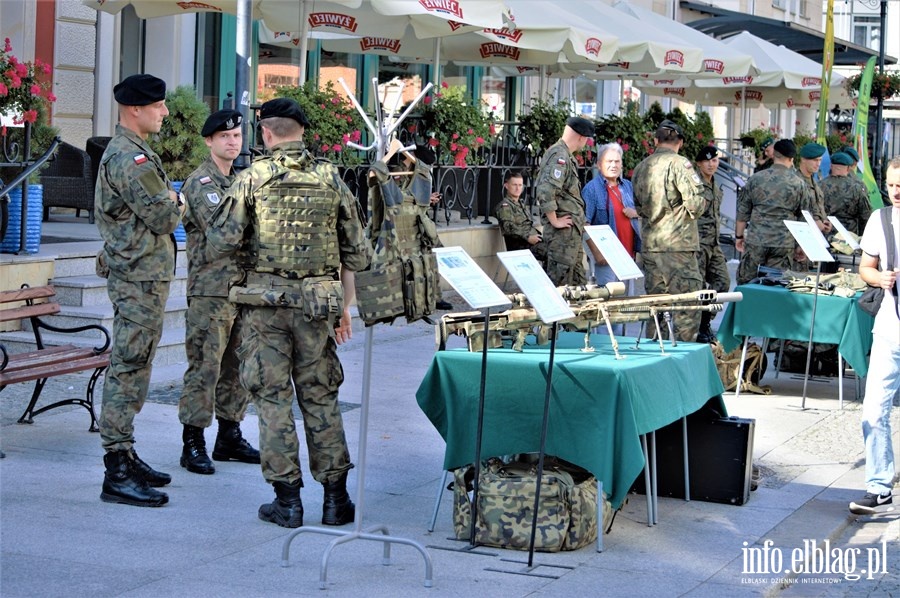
x=567, y=517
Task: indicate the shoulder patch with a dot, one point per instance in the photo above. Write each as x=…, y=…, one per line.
x=561, y=161
x=213, y=198
x=557, y=173
x=687, y=164
x=503, y=205
x=205, y=180
x=140, y=159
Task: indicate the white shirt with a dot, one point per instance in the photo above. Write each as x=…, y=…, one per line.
x=873, y=243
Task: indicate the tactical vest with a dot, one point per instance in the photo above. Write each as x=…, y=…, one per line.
x=403, y=277
x=296, y=215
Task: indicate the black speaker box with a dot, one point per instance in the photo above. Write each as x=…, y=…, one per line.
x=720, y=454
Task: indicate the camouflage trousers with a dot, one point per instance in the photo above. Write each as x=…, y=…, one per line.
x=565, y=257
x=211, y=384
x=673, y=272
x=138, y=309
x=714, y=268
x=280, y=352
x=755, y=256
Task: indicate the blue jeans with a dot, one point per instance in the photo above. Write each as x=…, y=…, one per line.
x=882, y=384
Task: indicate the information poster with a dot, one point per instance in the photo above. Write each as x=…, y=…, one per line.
x=536, y=285
x=463, y=274
x=847, y=235
x=807, y=235
x=613, y=251
x=815, y=227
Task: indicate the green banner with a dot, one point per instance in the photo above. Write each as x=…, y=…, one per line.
x=827, y=62
x=860, y=134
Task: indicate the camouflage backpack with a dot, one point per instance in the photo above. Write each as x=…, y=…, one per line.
x=567, y=518
x=728, y=365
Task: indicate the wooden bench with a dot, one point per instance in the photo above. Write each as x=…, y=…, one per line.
x=49, y=361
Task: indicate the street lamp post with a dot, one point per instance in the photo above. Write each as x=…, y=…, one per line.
x=878, y=140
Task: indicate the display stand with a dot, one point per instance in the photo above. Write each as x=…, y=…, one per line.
x=617, y=257
x=551, y=309
x=480, y=292
x=382, y=132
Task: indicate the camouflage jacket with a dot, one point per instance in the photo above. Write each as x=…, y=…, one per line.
x=515, y=222
x=203, y=192
x=847, y=199
x=558, y=188
x=818, y=210
x=235, y=218
x=134, y=213
x=668, y=196
x=708, y=223
x=770, y=197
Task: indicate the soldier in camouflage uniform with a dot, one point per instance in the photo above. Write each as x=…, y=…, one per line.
x=305, y=241
x=810, y=161
x=136, y=211
x=764, y=160
x=769, y=198
x=668, y=196
x=212, y=322
x=515, y=219
x=710, y=260
x=562, y=208
x=846, y=197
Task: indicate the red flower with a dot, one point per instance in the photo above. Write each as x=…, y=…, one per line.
x=336, y=147
x=454, y=136
x=35, y=89
x=345, y=138
x=700, y=136
x=355, y=136
x=335, y=100
x=453, y=147
x=433, y=142
x=470, y=131
x=625, y=147
x=631, y=173
x=444, y=84
x=3, y=89
x=479, y=140
x=590, y=142
x=492, y=129
x=426, y=100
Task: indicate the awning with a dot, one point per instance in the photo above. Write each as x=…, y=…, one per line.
x=724, y=23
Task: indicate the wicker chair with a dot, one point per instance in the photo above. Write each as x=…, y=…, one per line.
x=95, y=147
x=67, y=181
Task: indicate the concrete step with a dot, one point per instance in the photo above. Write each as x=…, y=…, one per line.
x=170, y=351
x=90, y=290
x=71, y=316
x=79, y=259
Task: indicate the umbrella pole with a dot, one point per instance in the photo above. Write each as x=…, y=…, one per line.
x=436, y=69
x=242, y=75
x=304, y=39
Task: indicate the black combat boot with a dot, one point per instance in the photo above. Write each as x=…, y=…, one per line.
x=123, y=484
x=286, y=510
x=156, y=479
x=706, y=334
x=193, y=456
x=231, y=446
x=337, y=509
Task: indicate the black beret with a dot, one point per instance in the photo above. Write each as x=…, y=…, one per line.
x=786, y=148
x=766, y=143
x=812, y=150
x=222, y=120
x=425, y=154
x=283, y=108
x=140, y=90
x=707, y=153
x=850, y=151
x=582, y=126
x=672, y=126
x=842, y=158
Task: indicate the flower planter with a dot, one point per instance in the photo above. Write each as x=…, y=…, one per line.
x=12, y=240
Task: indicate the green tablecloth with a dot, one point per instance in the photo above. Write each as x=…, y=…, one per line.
x=599, y=405
x=775, y=312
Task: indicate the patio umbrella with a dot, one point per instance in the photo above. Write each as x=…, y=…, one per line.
x=785, y=78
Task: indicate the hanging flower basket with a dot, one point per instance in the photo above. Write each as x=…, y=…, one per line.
x=884, y=85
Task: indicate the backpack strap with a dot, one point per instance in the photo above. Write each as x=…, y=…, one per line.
x=890, y=249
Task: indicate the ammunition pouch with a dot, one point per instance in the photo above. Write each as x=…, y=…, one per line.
x=421, y=285
x=320, y=298
x=379, y=292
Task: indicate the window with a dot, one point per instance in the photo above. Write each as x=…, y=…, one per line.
x=209, y=47
x=866, y=30
x=131, y=50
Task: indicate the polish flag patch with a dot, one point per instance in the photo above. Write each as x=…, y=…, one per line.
x=140, y=159
x=205, y=180
x=560, y=160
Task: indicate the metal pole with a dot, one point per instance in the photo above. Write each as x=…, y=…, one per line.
x=242, y=75
x=878, y=138
x=812, y=325
x=479, y=426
